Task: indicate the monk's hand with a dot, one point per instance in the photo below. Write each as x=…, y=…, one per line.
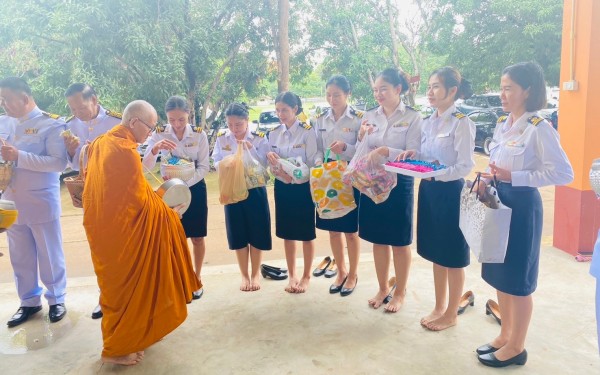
x=272, y=157
x=338, y=147
x=500, y=174
x=179, y=210
x=9, y=152
x=163, y=144
x=408, y=154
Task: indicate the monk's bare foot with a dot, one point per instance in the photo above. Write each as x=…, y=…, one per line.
x=395, y=303
x=377, y=301
x=125, y=360
x=140, y=354
x=431, y=317
x=302, y=285
x=441, y=323
x=255, y=283
x=245, y=285
x=292, y=284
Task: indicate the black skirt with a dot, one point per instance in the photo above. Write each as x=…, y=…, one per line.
x=346, y=224
x=519, y=273
x=439, y=238
x=195, y=218
x=294, y=212
x=389, y=222
x=249, y=222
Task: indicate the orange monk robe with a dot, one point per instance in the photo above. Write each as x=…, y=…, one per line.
x=138, y=246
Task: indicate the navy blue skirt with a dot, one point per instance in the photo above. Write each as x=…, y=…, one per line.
x=345, y=224
x=519, y=273
x=294, y=212
x=194, y=220
x=439, y=239
x=389, y=222
x=249, y=222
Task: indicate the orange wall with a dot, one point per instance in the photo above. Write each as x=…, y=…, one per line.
x=579, y=116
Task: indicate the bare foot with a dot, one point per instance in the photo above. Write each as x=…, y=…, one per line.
x=441, y=323
x=292, y=284
x=435, y=314
x=395, y=303
x=255, y=284
x=377, y=301
x=245, y=285
x=302, y=285
x=125, y=360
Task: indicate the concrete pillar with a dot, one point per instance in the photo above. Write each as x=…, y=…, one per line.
x=577, y=211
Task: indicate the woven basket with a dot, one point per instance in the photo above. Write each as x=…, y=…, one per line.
x=5, y=174
x=75, y=184
x=181, y=171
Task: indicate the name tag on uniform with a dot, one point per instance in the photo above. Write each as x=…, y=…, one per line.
x=31, y=131
x=347, y=130
x=401, y=124
x=443, y=135
x=227, y=147
x=191, y=144
x=322, y=130
x=301, y=145
x=515, y=144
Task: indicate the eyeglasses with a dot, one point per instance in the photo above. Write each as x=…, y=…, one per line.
x=150, y=128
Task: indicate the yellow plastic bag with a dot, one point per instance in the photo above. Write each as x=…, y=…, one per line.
x=232, y=183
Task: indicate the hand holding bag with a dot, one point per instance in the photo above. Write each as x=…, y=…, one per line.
x=485, y=229
x=333, y=198
x=255, y=173
x=232, y=183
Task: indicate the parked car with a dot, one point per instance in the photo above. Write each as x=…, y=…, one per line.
x=485, y=123
x=476, y=102
x=267, y=121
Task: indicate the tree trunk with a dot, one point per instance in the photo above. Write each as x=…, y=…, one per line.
x=368, y=73
x=283, y=82
x=391, y=11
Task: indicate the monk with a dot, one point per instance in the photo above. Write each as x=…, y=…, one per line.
x=139, y=249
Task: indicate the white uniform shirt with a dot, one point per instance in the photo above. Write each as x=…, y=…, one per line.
x=531, y=150
x=35, y=185
x=89, y=130
x=400, y=132
x=345, y=129
x=449, y=139
x=193, y=145
x=299, y=140
x=226, y=144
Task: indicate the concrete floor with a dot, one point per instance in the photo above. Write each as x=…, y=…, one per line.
x=273, y=332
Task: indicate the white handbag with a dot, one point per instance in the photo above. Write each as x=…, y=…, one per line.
x=485, y=229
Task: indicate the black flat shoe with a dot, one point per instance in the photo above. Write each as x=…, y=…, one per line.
x=272, y=268
x=331, y=270
x=491, y=360
x=322, y=267
x=486, y=349
x=492, y=308
x=198, y=294
x=274, y=275
x=468, y=299
x=97, y=313
x=22, y=314
x=57, y=312
x=337, y=288
x=347, y=291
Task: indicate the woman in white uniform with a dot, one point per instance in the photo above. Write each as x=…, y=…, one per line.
x=525, y=154
x=180, y=139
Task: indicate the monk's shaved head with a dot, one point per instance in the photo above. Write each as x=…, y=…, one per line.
x=139, y=109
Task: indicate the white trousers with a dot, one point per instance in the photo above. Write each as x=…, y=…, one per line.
x=36, y=253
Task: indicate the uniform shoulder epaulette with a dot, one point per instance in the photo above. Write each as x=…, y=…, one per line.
x=197, y=129
x=221, y=133
x=259, y=134
x=323, y=113
x=501, y=119
x=305, y=126
x=114, y=114
x=459, y=115
x=357, y=113
x=535, y=120
x=160, y=128
x=51, y=115
x=69, y=118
